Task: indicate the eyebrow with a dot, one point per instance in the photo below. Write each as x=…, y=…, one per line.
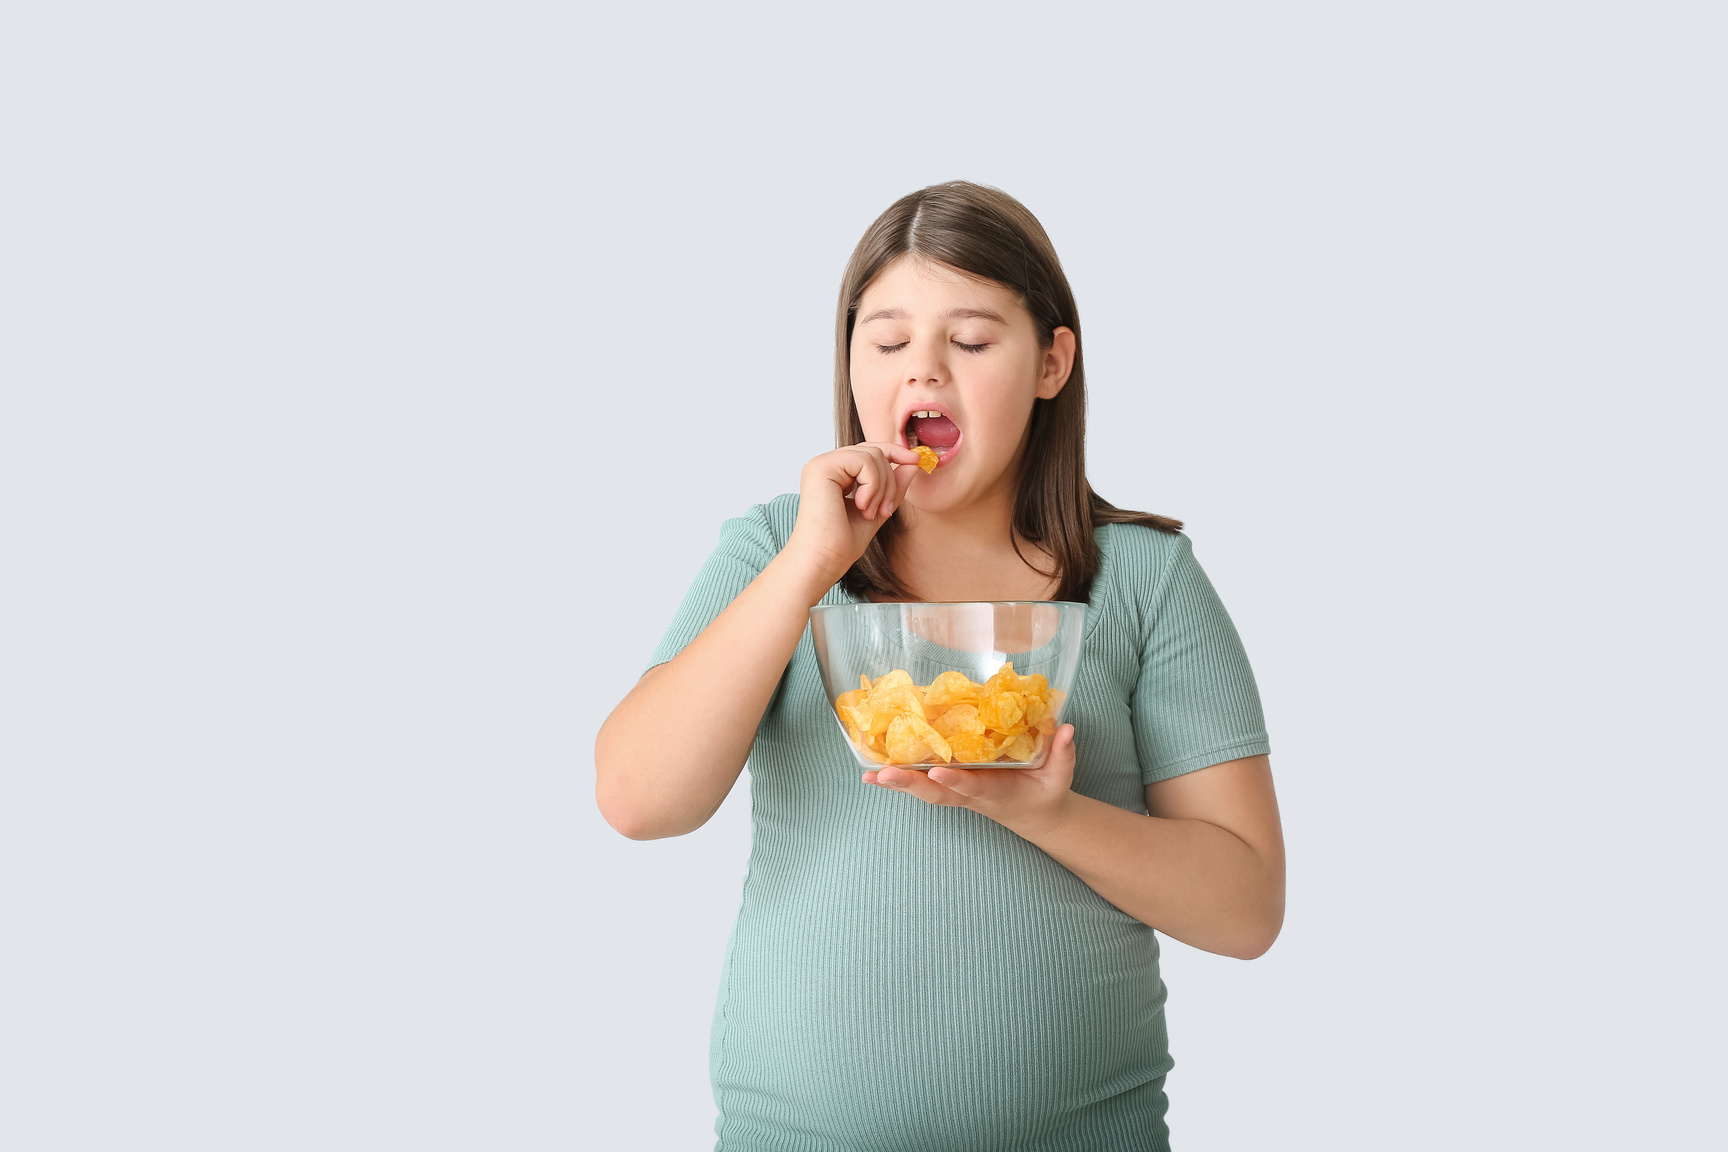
x=953, y=314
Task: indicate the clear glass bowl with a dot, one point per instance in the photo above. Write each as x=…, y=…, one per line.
x=907, y=655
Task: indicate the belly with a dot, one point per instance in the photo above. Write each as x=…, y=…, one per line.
x=933, y=981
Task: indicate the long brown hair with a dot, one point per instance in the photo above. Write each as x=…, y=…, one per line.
x=986, y=233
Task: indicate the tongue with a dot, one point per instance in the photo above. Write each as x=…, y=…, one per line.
x=936, y=431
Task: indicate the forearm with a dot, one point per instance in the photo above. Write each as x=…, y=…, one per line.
x=671, y=751
x=1190, y=879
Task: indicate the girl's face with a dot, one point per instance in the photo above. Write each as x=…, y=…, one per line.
x=963, y=353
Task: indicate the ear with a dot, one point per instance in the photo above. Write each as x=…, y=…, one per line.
x=1058, y=363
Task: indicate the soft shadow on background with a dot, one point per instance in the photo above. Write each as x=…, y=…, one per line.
x=377, y=376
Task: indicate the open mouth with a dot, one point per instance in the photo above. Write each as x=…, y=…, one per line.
x=933, y=430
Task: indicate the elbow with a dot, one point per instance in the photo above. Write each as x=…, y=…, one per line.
x=1253, y=949
x=629, y=819
x=628, y=815
x=636, y=830
x=1263, y=917
x=635, y=800
x=1257, y=938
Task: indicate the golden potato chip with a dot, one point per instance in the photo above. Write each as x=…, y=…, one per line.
x=1019, y=748
x=899, y=678
x=892, y=703
x=938, y=743
x=853, y=709
x=869, y=749
x=863, y=681
x=927, y=458
x=960, y=718
x=972, y=748
x=911, y=741
x=903, y=746
x=857, y=716
x=1037, y=711
x=1035, y=684
x=1002, y=711
x=950, y=688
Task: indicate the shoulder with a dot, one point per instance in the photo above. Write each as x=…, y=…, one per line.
x=777, y=516
x=1139, y=565
x=1138, y=560
x=762, y=527
x=1137, y=546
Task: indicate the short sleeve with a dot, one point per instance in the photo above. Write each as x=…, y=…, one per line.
x=746, y=546
x=1195, y=704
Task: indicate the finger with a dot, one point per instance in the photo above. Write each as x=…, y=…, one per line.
x=963, y=781
x=883, y=472
x=872, y=476
x=897, y=479
x=903, y=477
x=884, y=478
x=898, y=453
x=916, y=784
x=1059, y=762
x=897, y=778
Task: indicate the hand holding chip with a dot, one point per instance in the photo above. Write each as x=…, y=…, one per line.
x=845, y=496
x=1029, y=801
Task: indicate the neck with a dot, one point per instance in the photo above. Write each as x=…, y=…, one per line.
x=968, y=553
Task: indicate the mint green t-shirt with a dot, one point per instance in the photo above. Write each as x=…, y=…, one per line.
x=910, y=978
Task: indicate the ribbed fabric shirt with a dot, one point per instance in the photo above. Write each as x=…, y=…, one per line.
x=904, y=977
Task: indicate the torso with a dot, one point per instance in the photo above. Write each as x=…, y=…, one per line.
x=884, y=946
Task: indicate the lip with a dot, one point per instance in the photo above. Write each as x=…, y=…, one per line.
x=930, y=406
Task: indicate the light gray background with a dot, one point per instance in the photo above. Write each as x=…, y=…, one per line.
x=376, y=377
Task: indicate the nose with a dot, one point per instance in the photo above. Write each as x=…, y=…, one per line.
x=928, y=363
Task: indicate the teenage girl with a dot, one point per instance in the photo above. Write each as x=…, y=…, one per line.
x=959, y=959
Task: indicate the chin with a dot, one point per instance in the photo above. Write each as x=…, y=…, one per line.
x=947, y=499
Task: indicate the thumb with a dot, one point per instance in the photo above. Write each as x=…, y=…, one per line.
x=904, y=474
x=1061, y=758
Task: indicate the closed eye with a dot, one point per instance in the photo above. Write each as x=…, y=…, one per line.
x=892, y=347
x=971, y=347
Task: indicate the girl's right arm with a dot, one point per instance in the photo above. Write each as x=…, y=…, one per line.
x=652, y=780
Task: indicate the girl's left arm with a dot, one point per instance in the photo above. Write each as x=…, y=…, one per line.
x=1205, y=867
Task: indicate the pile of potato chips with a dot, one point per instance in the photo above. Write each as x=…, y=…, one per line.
x=951, y=719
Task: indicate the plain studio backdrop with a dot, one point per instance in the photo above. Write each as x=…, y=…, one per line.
x=377, y=376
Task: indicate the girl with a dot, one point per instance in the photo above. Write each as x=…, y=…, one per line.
x=962, y=959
